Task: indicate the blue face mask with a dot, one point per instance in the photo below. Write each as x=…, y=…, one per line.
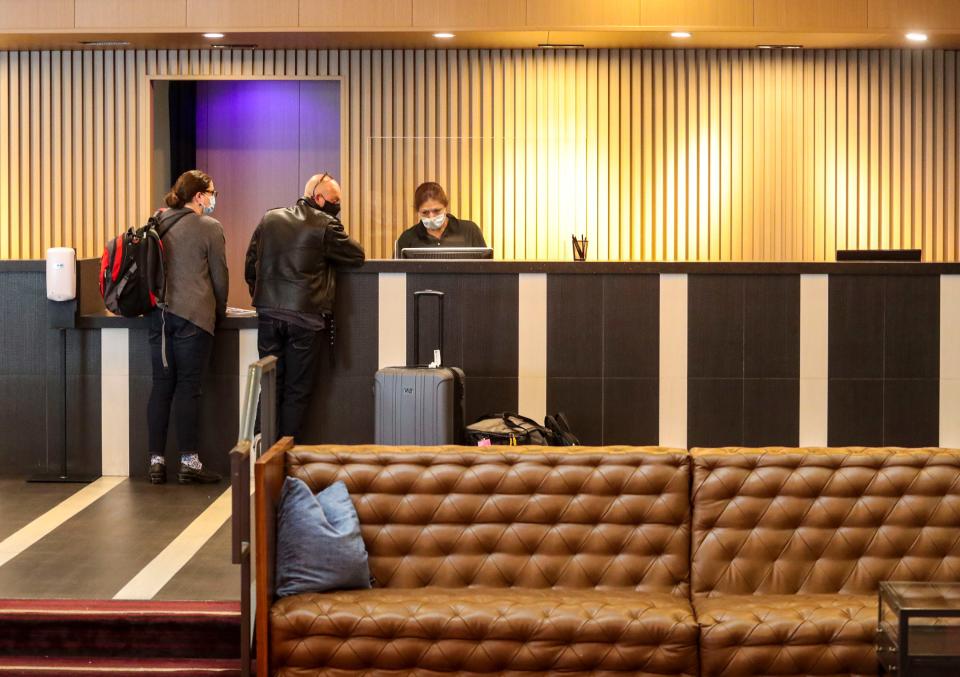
x=210, y=207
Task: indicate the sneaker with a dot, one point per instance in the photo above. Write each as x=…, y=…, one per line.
x=188, y=475
x=158, y=473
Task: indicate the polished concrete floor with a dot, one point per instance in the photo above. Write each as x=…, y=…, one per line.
x=116, y=538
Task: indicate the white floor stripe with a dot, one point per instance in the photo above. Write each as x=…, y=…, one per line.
x=392, y=328
x=163, y=567
x=20, y=540
x=532, y=346
x=814, y=359
x=673, y=361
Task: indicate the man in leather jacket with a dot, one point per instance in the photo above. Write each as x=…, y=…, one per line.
x=290, y=271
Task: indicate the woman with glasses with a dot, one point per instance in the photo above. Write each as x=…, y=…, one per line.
x=437, y=226
x=181, y=332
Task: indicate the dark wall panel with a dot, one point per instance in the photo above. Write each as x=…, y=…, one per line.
x=743, y=360
x=603, y=356
x=631, y=411
x=84, y=436
x=23, y=379
x=581, y=399
x=574, y=326
x=631, y=326
x=884, y=341
x=855, y=412
x=341, y=410
x=771, y=327
x=490, y=395
x=480, y=323
x=715, y=326
x=911, y=327
x=30, y=384
x=856, y=326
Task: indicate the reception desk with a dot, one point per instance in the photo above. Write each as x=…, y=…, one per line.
x=634, y=353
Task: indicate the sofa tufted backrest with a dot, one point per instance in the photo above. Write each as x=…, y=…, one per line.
x=616, y=517
x=785, y=521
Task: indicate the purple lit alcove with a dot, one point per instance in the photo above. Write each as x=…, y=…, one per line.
x=261, y=140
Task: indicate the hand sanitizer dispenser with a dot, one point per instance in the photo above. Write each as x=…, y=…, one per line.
x=61, y=274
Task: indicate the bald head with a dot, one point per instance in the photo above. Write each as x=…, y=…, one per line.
x=322, y=188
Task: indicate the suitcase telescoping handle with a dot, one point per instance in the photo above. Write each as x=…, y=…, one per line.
x=417, y=298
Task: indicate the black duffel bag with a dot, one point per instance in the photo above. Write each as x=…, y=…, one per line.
x=508, y=429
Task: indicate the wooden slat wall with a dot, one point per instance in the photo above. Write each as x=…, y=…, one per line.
x=654, y=155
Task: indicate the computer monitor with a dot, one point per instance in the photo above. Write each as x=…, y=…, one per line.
x=446, y=253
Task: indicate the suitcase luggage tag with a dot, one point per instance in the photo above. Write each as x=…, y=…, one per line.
x=436, y=360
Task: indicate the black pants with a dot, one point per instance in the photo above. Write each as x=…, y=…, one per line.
x=296, y=351
x=188, y=349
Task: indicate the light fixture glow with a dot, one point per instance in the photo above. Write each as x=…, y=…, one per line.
x=679, y=34
x=213, y=36
x=917, y=37
x=443, y=36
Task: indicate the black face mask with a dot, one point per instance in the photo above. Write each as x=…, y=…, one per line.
x=330, y=208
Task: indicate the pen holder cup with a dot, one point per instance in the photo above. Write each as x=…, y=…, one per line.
x=579, y=248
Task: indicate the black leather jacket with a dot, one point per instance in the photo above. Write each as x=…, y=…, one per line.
x=292, y=255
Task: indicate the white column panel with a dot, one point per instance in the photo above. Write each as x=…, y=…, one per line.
x=532, y=346
x=814, y=359
x=115, y=391
x=392, y=329
x=673, y=361
x=950, y=361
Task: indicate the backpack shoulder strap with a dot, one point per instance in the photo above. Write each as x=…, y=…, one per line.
x=163, y=230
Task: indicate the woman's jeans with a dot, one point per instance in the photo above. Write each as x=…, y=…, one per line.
x=178, y=384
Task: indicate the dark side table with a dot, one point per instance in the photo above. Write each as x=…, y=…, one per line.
x=918, y=631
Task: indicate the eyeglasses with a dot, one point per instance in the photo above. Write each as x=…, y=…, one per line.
x=215, y=193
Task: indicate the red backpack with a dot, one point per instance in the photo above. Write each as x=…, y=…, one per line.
x=133, y=277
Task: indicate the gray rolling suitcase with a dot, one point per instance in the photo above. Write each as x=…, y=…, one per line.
x=420, y=405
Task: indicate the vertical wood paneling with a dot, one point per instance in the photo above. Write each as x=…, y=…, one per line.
x=654, y=155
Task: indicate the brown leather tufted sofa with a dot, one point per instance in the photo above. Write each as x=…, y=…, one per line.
x=789, y=546
x=542, y=561
x=499, y=561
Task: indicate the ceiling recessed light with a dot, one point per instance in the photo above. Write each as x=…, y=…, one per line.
x=679, y=34
x=560, y=45
x=213, y=36
x=917, y=37
x=443, y=36
x=248, y=45
x=779, y=46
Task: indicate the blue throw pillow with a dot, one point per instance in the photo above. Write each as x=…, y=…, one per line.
x=319, y=546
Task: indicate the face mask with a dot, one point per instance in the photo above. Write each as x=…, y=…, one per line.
x=330, y=208
x=436, y=223
x=210, y=207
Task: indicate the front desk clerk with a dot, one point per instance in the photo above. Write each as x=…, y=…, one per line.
x=437, y=227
